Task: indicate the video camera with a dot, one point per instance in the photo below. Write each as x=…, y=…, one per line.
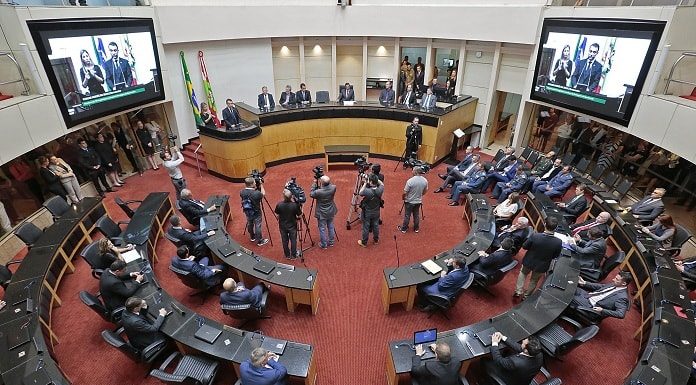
x=412, y=162
x=257, y=177
x=298, y=194
x=172, y=139
x=363, y=164
x=318, y=172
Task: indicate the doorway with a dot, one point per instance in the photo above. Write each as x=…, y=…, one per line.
x=502, y=124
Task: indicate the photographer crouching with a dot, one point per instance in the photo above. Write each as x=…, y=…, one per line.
x=323, y=192
x=252, y=195
x=371, y=191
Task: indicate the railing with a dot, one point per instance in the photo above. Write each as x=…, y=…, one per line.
x=43, y=3
x=671, y=71
x=198, y=163
x=21, y=79
x=620, y=3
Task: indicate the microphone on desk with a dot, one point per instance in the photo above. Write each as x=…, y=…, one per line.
x=310, y=277
x=664, y=341
x=392, y=277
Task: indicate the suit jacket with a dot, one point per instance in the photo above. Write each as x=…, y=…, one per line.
x=190, y=238
x=411, y=98
x=434, y=372
x=494, y=261
x=303, y=96
x=52, y=181
x=326, y=207
x=542, y=166
x=561, y=182
x=476, y=180
x=450, y=284
x=231, y=117
x=511, y=170
x=204, y=273
x=648, y=212
x=414, y=134
x=583, y=234
x=140, y=331
x=575, y=206
x=518, y=369
x=387, y=96
x=586, y=77
x=502, y=163
x=253, y=375
x=428, y=102
x=114, y=290
x=541, y=249
x=246, y=296
x=119, y=75
x=466, y=162
x=346, y=95
x=518, y=236
x=590, y=253
x=262, y=101
x=614, y=305
x=287, y=98
x=192, y=210
x=87, y=159
x=518, y=181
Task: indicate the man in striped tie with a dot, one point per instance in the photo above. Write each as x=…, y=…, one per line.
x=601, y=222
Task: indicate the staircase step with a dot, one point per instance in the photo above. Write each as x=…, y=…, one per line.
x=192, y=164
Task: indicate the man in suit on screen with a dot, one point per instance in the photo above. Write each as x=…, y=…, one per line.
x=117, y=70
x=587, y=72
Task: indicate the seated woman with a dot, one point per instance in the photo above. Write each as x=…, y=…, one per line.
x=662, y=230
x=505, y=211
x=108, y=253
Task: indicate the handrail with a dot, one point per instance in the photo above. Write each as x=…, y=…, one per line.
x=671, y=71
x=198, y=164
x=21, y=74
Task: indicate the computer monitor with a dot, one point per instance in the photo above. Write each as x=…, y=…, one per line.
x=427, y=336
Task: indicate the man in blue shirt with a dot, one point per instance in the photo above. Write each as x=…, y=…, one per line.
x=262, y=368
x=449, y=284
x=184, y=261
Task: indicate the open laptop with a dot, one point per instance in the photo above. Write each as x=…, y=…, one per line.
x=274, y=345
x=425, y=337
x=207, y=333
x=264, y=267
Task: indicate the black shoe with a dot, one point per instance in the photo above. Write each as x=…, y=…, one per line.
x=443, y=177
x=449, y=197
x=438, y=190
x=427, y=309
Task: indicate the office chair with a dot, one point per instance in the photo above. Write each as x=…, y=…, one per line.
x=57, y=206
x=176, y=241
x=90, y=254
x=28, y=233
x=94, y=303
x=246, y=312
x=569, y=159
x=6, y=273
x=608, y=265
x=557, y=342
x=498, y=155
x=571, y=218
x=580, y=168
x=533, y=158
x=189, y=279
x=124, y=206
x=192, y=370
x=680, y=237
x=526, y=152
x=322, y=97
x=491, y=372
x=146, y=355
x=442, y=303
x=594, y=176
x=111, y=229
x=605, y=184
x=484, y=280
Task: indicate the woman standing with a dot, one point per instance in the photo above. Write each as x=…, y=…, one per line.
x=145, y=140
x=91, y=75
x=154, y=129
x=563, y=68
x=108, y=159
x=207, y=116
x=67, y=178
x=662, y=230
x=52, y=180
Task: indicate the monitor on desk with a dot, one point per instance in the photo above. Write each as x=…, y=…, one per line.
x=426, y=336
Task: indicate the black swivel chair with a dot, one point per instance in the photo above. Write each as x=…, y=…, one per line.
x=569, y=159
x=90, y=254
x=605, y=184
x=557, y=342
x=191, y=370
x=57, y=206
x=94, y=303
x=484, y=280
x=124, y=206
x=442, y=303
x=246, y=312
x=111, y=229
x=28, y=233
x=548, y=380
x=322, y=97
x=533, y=158
x=146, y=355
x=680, y=237
x=498, y=155
x=6, y=273
x=526, y=152
x=608, y=265
x=176, y=241
x=581, y=168
x=200, y=286
x=593, y=178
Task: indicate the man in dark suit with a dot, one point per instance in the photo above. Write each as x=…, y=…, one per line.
x=590, y=252
x=346, y=94
x=303, y=96
x=287, y=97
x=387, y=96
x=541, y=249
x=262, y=368
x=408, y=97
x=236, y=294
x=490, y=263
x=230, y=115
x=192, y=209
x=558, y=185
x=648, y=208
x=441, y=371
x=265, y=101
x=472, y=185
x=184, y=261
x=601, y=222
x=517, y=369
x=505, y=160
x=575, y=206
x=429, y=100
x=538, y=177
x=601, y=300
x=140, y=330
x=587, y=72
x=505, y=175
x=414, y=139
x=117, y=70
x=517, y=232
x=113, y=288
x=458, y=172
x=502, y=190
x=448, y=284
x=89, y=162
x=194, y=240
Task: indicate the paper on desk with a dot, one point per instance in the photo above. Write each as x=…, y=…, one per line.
x=458, y=132
x=566, y=239
x=431, y=266
x=131, y=255
x=611, y=201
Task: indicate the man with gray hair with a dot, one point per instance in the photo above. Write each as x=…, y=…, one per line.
x=441, y=371
x=252, y=196
x=517, y=232
x=193, y=209
x=415, y=188
x=262, y=368
x=323, y=191
x=288, y=214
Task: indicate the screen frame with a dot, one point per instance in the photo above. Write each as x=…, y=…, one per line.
x=655, y=26
x=37, y=27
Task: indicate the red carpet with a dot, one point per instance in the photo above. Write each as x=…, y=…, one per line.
x=350, y=332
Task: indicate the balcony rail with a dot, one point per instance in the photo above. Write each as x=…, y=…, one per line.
x=671, y=71
x=21, y=79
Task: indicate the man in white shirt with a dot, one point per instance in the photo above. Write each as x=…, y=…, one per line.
x=171, y=163
x=265, y=101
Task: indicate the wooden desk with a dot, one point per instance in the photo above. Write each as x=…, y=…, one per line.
x=344, y=155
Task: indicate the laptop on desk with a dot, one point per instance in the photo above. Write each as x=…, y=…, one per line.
x=226, y=250
x=264, y=267
x=274, y=345
x=467, y=249
x=207, y=333
x=485, y=336
x=425, y=338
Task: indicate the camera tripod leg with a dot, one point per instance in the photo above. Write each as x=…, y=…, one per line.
x=354, y=203
x=401, y=159
x=263, y=212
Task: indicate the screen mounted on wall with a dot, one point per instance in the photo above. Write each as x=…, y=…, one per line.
x=99, y=67
x=595, y=66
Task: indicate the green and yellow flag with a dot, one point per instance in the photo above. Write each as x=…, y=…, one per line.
x=191, y=93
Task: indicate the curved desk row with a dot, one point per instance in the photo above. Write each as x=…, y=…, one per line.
x=519, y=322
x=32, y=294
x=303, y=132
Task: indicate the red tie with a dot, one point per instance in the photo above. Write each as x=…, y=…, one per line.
x=583, y=228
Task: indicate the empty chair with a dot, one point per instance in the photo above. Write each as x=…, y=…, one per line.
x=605, y=184
x=111, y=229
x=28, y=233
x=247, y=312
x=94, y=303
x=498, y=155
x=623, y=188
x=680, y=237
x=484, y=280
x=6, y=273
x=322, y=97
x=189, y=279
x=124, y=206
x=557, y=342
x=526, y=152
x=594, y=176
x=442, y=303
x=548, y=380
x=189, y=370
x=569, y=159
x=91, y=254
x=608, y=265
x=581, y=168
x=56, y=205
x=146, y=355
x=533, y=158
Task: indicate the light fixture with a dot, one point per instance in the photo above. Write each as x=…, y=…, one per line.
x=317, y=49
x=284, y=50
x=381, y=50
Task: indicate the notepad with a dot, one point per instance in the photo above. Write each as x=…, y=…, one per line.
x=131, y=255
x=431, y=267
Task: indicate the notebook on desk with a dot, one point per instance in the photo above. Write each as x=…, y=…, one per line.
x=649, y=376
x=264, y=267
x=207, y=333
x=467, y=249
x=274, y=345
x=431, y=267
x=16, y=337
x=131, y=255
x=226, y=250
x=485, y=336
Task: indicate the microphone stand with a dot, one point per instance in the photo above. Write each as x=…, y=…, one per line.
x=392, y=277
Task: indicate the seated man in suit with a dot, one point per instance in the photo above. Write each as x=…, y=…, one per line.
x=459, y=172
x=192, y=209
x=504, y=175
x=195, y=240
x=230, y=115
x=574, y=206
x=648, y=208
x=303, y=96
x=408, y=97
x=262, y=368
x=505, y=160
x=113, y=288
x=448, y=284
x=687, y=269
x=600, y=300
x=236, y=294
x=265, y=101
x=211, y=275
x=346, y=94
x=140, y=330
x=601, y=222
x=287, y=97
x=387, y=96
x=472, y=184
x=590, y=252
x=537, y=177
x=441, y=371
x=558, y=185
x=490, y=263
x=519, y=368
x=502, y=190
x=428, y=101
x=517, y=232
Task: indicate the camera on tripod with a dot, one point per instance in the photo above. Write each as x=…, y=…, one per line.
x=318, y=172
x=298, y=194
x=172, y=138
x=413, y=162
x=257, y=177
x=362, y=164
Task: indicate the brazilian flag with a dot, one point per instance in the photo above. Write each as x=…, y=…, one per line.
x=191, y=93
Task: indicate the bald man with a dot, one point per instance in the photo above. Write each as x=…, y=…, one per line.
x=323, y=191
x=236, y=294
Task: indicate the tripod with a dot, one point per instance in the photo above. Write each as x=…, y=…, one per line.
x=401, y=158
x=354, y=205
x=263, y=212
x=302, y=234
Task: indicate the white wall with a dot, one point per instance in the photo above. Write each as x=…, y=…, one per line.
x=513, y=71
x=349, y=66
x=286, y=69
x=380, y=61
x=477, y=75
x=318, y=67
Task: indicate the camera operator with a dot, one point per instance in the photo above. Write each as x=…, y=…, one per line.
x=323, y=191
x=251, y=195
x=414, y=140
x=288, y=214
x=377, y=170
x=415, y=188
x=171, y=163
x=372, y=190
